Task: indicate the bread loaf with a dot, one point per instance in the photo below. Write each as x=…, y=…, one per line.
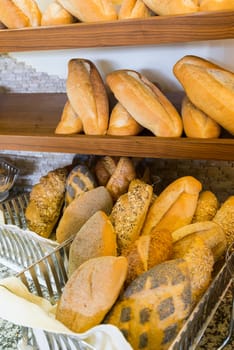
x=207, y=206
x=105, y=168
x=225, y=218
x=175, y=205
x=146, y=252
x=91, y=291
x=196, y=123
x=209, y=87
x=129, y=212
x=122, y=123
x=12, y=16
x=145, y=103
x=55, y=14
x=87, y=95
x=95, y=238
x=133, y=9
x=46, y=201
x=200, y=260
x=172, y=7
x=153, y=308
x=70, y=122
x=216, y=5
x=90, y=10
x=212, y=234
x=80, y=210
x=31, y=9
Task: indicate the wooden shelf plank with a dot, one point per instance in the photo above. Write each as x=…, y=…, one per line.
x=28, y=121
x=130, y=32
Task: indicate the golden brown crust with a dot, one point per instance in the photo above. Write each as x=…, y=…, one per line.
x=87, y=95
x=225, y=218
x=12, y=16
x=196, y=123
x=216, y=5
x=55, y=14
x=31, y=10
x=172, y=7
x=104, y=169
x=133, y=9
x=70, y=123
x=145, y=102
x=207, y=206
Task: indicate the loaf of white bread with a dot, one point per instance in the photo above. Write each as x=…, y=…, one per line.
x=16, y=14
x=55, y=14
x=209, y=87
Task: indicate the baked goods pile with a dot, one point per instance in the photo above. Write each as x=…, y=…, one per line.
x=137, y=260
x=127, y=103
x=27, y=13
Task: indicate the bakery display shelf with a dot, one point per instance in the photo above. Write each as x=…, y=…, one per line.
x=28, y=122
x=199, y=26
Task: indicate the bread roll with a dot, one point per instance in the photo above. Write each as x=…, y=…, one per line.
x=145, y=102
x=90, y=10
x=207, y=206
x=209, y=87
x=95, y=238
x=146, y=252
x=212, y=234
x=70, y=123
x=154, y=306
x=225, y=218
x=119, y=181
x=91, y=291
x=105, y=168
x=175, y=205
x=12, y=16
x=129, y=212
x=196, y=123
x=200, y=262
x=216, y=5
x=122, y=123
x=55, y=14
x=31, y=10
x=172, y=7
x=87, y=95
x=80, y=210
x=46, y=201
x=133, y=9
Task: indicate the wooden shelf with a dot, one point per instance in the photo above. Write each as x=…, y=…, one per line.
x=28, y=121
x=130, y=32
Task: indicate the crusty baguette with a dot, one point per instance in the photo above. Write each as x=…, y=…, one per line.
x=225, y=218
x=207, y=206
x=31, y=9
x=80, y=210
x=70, y=122
x=91, y=291
x=212, y=234
x=87, y=95
x=209, y=87
x=196, y=123
x=55, y=14
x=122, y=123
x=216, y=5
x=175, y=205
x=145, y=102
x=172, y=7
x=12, y=16
x=133, y=9
x=90, y=10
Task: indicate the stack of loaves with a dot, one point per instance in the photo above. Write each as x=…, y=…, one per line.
x=139, y=104
x=27, y=13
x=138, y=261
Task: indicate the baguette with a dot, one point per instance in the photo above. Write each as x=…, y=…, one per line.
x=55, y=14
x=216, y=5
x=70, y=122
x=90, y=10
x=174, y=207
x=87, y=95
x=172, y=7
x=12, y=16
x=91, y=291
x=122, y=123
x=145, y=102
x=209, y=87
x=31, y=10
x=197, y=123
x=133, y=9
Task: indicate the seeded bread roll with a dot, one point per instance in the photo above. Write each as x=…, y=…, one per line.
x=197, y=123
x=70, y=123
x=145, y=103
x=209, y=87
x=207, y=206
x=225, y=218
x=90, y=10
x=175, y=205
x=91, y=291
x=172, y=7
